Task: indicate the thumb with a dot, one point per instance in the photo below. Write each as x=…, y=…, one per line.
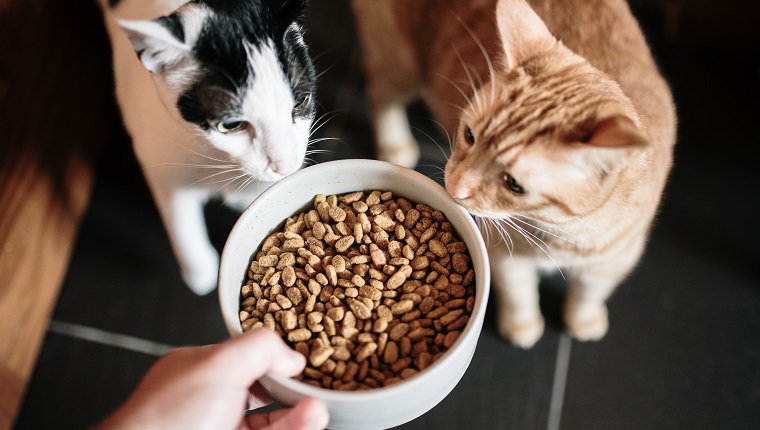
x=248, y=357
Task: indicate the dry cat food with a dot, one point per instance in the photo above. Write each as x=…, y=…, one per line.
x=371, y=288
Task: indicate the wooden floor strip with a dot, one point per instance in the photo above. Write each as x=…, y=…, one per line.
x=56, y=114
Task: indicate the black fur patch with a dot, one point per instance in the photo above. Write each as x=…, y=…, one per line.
x=220, y=50
x=173, y=23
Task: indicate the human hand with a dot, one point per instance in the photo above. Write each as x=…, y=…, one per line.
x=209, y=387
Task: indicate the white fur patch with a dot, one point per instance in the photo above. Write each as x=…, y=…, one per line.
x=192, y=22
x=276, y=144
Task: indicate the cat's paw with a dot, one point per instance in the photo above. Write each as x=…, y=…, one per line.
x=202, y=278
x=406, y=155
x=522, y=332
x=590, y=323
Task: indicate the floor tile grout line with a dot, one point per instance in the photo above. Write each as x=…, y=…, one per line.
x=560, y=379
x=108, y=338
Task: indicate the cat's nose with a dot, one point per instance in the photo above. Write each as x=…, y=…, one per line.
x=284, y=167
x=458, y=193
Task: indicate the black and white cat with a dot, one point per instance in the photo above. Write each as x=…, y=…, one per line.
x=218, y=101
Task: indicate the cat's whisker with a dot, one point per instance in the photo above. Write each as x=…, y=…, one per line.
x=327, y=69
x=446, y=133
x=433, y=141
x=534, y=241
x=487, y=226
x=543, y=230
x=231, y=183
x=206, y=156
x=453, y=105
x=206, y=178
x=522, y=218
x=464, y=95
x=477, y=75
x=438, y=171
x=200, y=154
x=469, y=77
x=316, y=57
x=483, y=50
x=503, y=234
x=225, y=182
x=229, y=196
x=483, y=227
x=322, y=120
x=470, y=68
x=492, y=229
x=195, y=166
x=322, y=139
x=309, y=158
x=246, y=181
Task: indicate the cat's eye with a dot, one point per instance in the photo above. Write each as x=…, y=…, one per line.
x=511, y=183
x=302, y=104
x=468, y=134
x=230, y=126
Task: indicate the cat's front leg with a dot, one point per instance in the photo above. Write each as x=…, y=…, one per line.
x=393, y=137
x=515, y=280
x=182, y=214
x=585, y=310
x=589, y=287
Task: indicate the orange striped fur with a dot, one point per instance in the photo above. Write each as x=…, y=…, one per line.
x=562, y=131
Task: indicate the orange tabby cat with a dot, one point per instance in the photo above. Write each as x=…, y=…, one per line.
x=562, y=132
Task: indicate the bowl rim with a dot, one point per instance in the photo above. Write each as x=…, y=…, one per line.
x=482, y=281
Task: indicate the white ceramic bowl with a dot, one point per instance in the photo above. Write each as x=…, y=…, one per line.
x=379, y=408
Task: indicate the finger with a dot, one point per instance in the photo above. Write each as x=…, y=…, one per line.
x=248, y=357
x=308, y=414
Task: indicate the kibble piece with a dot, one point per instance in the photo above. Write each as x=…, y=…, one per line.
x=299, y=335
x=365, y=351
x=289, y=320
x=344, y=243
x=390, y=355
x=380, y=325
x=402, y=307
x=399, y=331
x=320, y=355
x=451, y=316
x=450, y=338
x=360, y=309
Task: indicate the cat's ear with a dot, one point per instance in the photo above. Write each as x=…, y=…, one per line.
x=611, y=143
x=158, y=43
x=522, y=31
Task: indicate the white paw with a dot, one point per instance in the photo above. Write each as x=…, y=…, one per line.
x=201, y=277
x=587, y=323
x=406, y=155
x=522, y=332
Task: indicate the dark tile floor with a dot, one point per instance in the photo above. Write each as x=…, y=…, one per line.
x=683, y=351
